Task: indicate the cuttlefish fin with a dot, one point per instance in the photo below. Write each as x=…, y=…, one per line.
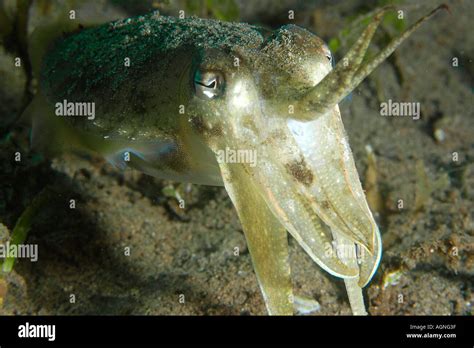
x=352, y=69
x=267, y=239
x=49, y=134
x=148, y=152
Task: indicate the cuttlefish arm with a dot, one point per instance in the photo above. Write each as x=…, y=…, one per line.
x=266, y=239
x=352, y=70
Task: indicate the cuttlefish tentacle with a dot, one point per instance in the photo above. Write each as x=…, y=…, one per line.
x=351, y=70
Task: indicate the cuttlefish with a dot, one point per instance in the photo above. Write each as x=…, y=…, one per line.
x=170, y=96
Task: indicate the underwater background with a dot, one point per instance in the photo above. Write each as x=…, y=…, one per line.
x=418, y=176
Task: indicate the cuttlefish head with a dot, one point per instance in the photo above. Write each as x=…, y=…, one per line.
x=270, y=114
x=246, y=107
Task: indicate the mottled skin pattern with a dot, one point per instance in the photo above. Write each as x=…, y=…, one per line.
x=276, y=94
x=162, y=51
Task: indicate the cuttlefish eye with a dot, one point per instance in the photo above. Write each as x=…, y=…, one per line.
x=208, y=84
x=327, y=53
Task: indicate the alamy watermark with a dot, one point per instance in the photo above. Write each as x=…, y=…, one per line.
x=344, y=251
x=394, y=108
x=84, y=109
x=28, y=330
x=22, y=251
x=229, y=155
